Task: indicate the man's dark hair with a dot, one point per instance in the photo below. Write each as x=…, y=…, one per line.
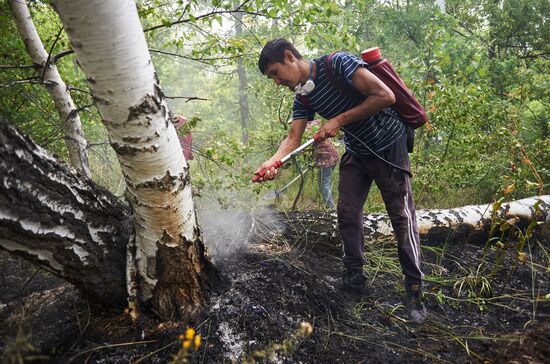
x=274, y=51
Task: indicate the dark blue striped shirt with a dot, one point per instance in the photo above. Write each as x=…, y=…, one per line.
x=378, y=132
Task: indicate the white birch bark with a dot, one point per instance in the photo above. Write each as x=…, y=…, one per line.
x=441, y=5
x=110, y=46
x=243, y=96
x=467, y=218
x=60, y=221
x=70, y=121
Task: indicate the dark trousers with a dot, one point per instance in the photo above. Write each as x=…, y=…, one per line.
x=356, y=176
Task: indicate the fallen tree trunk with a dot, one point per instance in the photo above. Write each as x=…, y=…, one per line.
x=468, y=223
x=61, y=221
x=438, y=225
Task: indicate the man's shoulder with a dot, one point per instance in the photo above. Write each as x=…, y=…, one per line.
x=342, y=55
x=334, y=55
x=339, y=59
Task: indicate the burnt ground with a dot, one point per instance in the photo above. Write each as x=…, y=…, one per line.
x=501, y=314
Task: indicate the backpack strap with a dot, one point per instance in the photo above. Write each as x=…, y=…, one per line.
x=336, y=81
x=304, y=100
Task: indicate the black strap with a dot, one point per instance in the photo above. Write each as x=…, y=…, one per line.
x=304, y=100
x=336, y=81
x=349, y=91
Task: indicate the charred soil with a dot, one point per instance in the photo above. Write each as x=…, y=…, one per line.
x=496, y=312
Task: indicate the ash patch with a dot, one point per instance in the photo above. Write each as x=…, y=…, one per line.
x=283, y=279
x=52, y=312
x=271, y=289
x=534, y=348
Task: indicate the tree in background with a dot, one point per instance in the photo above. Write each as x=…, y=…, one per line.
x=468, y=157
x=241, y=73
x=58, y=90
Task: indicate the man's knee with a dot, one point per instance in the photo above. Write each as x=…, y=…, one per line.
x=348, y=213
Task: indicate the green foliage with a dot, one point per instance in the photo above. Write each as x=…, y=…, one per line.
x=480, y=70
x=19, y=350
x=29, y=105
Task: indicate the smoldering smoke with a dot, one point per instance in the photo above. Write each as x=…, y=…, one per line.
x=228, y=227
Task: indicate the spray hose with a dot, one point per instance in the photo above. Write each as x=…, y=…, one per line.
x=379, y=156
x=277, y=164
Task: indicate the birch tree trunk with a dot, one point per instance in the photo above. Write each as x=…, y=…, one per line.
x=243, y=97
x=467, y=224
x=61, y=221
x=441, y=5
x=170, y=257
x=70, y=121
x=437, y=225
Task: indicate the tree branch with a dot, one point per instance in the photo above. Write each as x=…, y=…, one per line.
x=34, y=99
x=188, y=98
x=72, y=88
x=46, y=65
x=26, y=80
x=105, y=142
x=460, y=33
x=83, y=107
x=243, y=4
x=218, y=12
x=60, y=55
x=198, y=59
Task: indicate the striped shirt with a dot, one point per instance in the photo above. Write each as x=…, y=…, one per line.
x=378, y=132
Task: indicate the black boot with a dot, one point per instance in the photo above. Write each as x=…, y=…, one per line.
x=416, y=309
x=354, y=280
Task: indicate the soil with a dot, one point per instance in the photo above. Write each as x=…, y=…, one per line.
x=285, y=279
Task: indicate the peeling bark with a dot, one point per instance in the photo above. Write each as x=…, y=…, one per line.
x=438, y=225
x=70, y=120
x=132, y=284
x=176, y=291
x=170, y=257
x=58, y=219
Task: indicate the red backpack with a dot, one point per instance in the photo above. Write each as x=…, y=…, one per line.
x=407, y=107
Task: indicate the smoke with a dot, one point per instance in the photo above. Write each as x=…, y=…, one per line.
x=229, y=226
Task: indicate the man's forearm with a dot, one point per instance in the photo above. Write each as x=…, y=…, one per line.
x=287, y=146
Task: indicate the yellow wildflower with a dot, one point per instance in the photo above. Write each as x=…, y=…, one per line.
x=189, y=334
x=186, y=344
x=197, y=341
x=508, y=189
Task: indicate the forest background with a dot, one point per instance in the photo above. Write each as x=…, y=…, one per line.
x=480, y=69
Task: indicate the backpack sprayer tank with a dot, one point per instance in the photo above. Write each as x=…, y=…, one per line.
x=406, y=105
